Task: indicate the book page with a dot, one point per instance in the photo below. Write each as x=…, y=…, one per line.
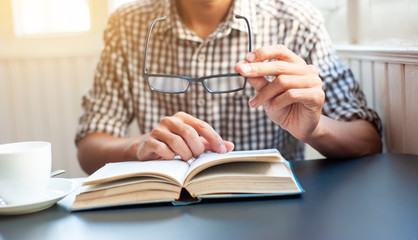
x=210, y=159
x=174, y=170
x=247, y=169
x=121, y=183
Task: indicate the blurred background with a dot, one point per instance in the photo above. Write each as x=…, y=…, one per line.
x=49, y=49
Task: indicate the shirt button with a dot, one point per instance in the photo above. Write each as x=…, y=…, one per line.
x=201, y=57
x=201, y=102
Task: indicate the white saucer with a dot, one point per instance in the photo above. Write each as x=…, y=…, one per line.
x=58, y=188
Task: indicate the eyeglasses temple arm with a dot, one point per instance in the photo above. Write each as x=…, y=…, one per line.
x=250, y=44
x=144, y=66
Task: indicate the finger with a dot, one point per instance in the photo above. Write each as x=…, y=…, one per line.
x=311, y=98
x=156, y=150
x=205, y=130
x=208, y=147
x=189, y=135
x=279, y=52
x=257, y=82
x=275, y=68
x=173, y=141
x=279, y=85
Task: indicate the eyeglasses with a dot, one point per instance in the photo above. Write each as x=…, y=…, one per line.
x=221, y=83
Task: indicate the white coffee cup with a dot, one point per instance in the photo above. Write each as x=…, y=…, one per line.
x=25, y=169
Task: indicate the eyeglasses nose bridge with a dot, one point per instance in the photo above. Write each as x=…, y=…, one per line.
x=196, y=80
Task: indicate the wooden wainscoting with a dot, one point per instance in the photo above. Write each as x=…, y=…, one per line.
x=389, y=79
x=40, y=99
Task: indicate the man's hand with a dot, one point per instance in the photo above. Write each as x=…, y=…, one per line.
x=180, y=134
x=294, y=98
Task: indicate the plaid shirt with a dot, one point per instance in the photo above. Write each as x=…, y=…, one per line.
x=120, y=94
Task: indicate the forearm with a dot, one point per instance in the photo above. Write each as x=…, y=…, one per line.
x=339, y=139
x=97, y=149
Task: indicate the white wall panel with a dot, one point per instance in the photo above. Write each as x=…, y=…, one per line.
x=380, y=83
x=40, y=99
x=397, y=111
x=389, y=78
x=366, y=75
x=411, y=101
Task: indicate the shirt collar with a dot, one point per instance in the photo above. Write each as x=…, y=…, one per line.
x=164, y=10
x=173, y=22
x=246, y=8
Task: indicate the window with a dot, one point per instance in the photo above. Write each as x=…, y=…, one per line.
x=46, y=17
x=371, y=22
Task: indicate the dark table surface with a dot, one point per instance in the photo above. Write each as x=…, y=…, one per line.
x=373, y=197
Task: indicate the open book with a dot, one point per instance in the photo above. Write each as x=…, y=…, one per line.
x=212, y=175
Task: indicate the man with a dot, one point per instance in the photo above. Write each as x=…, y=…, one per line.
x=297, y=89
